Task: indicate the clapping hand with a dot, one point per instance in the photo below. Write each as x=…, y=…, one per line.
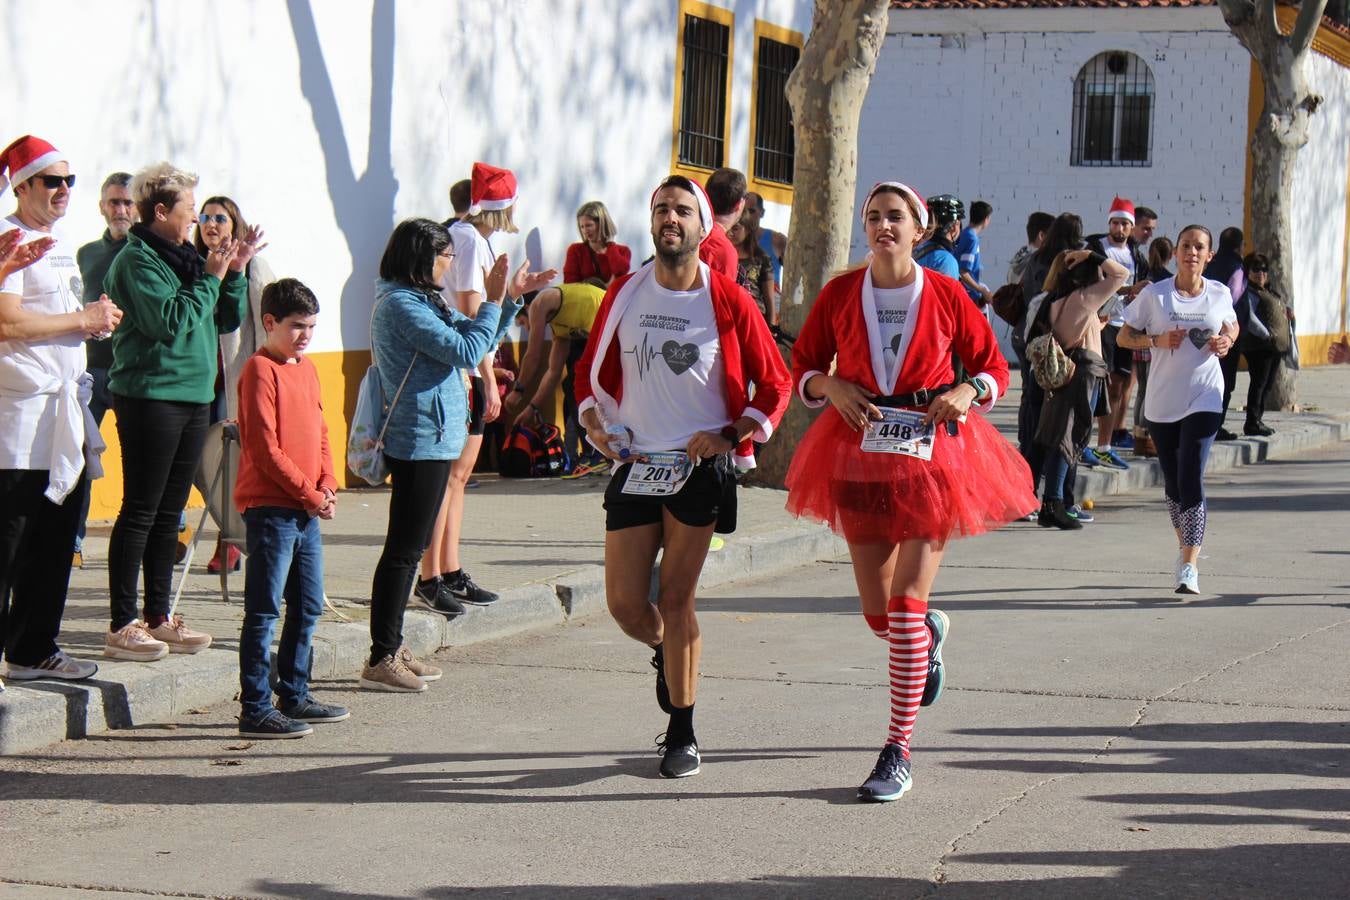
x=494, y=279
x=99, y=318
x=524, y=281
x=15, y=258
x=246, y=247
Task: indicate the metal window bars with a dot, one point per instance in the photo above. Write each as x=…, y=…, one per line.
x=703, y=104
x=1113, y=112
x=774, y=138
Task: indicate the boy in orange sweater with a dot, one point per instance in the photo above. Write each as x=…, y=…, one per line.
x=286, y=486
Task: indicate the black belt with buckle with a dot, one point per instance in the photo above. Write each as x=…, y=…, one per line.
x=920, y=398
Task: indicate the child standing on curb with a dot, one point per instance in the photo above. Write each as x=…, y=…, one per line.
x=286, y=485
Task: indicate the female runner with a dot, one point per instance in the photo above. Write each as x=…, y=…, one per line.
x=900, y=474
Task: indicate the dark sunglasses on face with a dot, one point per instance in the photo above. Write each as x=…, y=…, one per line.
x=1259, y=271
x=52, y=182
x=218, y=218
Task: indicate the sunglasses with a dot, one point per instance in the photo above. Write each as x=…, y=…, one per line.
x=52, y=182
x=1259, y=272
x=218, y=218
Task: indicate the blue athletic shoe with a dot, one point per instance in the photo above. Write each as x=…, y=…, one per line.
x=1089, y=458
x=938, y=626
x=890, y=779
x=1080, y=514
x=1111, y=459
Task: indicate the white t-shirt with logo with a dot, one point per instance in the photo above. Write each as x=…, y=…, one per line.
x=27, y=414
x=473, y=254
x=674, y=379
x=1188, y=379
x=893, y=307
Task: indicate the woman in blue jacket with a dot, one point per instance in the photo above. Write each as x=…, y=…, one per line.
x=422, y=342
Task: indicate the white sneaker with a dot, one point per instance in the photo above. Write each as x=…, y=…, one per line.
x=1188, y=579
x=58, y=665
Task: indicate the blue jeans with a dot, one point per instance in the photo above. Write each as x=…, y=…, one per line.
x=285, y=558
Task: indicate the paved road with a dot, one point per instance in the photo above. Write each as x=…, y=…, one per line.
x=1099, y=739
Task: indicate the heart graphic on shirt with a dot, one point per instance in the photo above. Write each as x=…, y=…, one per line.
x=1200, y=337
x=679, y=356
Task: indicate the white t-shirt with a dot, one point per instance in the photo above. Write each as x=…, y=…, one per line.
x=674, y=381
x=893, y=305
x=1188, y=379
x=473, y=254
x=29, y=370
x=1124, y=257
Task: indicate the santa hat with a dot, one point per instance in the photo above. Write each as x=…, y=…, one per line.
x=904, y=189
x=705, y=213
x=1121, y=209
x=24, y=158
x=491, y=188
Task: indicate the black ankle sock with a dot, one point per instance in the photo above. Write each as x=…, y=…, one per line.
x=681, y=727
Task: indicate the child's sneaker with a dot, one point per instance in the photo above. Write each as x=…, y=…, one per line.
x=273, y=726
x=311, y=710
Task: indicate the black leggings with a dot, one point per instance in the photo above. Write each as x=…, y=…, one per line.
x=1183, y=448
x=418, y=489
x=161, y=449
x=1262, y=367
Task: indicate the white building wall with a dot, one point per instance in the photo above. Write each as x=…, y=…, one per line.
x=1320, y=183
x=329, y=122
x=988, y=115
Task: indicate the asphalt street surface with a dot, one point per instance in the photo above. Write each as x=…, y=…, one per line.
x=1099, y=737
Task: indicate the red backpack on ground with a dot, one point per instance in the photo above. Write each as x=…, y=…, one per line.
x=534, y=451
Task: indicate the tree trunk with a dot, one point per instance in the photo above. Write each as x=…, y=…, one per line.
x=825, y=92
x=1281, y=132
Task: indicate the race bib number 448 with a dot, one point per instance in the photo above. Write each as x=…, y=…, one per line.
x=900, y=431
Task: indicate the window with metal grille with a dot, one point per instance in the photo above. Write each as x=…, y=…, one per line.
x=703, y=103
x=774, y=140
x=1113, y=112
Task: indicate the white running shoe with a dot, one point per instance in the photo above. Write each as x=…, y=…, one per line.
x=58, y=665
x=1188, y=579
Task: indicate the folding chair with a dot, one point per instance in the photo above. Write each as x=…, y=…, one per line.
x=216, y=474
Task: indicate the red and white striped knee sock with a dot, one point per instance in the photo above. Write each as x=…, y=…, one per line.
x=909, y=638
x=880, y=625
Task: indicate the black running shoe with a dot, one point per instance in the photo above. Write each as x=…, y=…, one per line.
x=890, y=779
x=464, y=590
x=425, y=591
x=679, y=760
x=446, y=603
x=662, y=689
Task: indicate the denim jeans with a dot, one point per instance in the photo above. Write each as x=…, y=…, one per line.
x=285, y=559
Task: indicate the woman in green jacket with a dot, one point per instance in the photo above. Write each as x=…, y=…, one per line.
x=163, y=378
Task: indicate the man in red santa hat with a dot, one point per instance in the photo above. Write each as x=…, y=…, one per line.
x=47, y=434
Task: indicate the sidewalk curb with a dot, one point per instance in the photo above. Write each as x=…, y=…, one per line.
x=36, y=714
x=1223, y=456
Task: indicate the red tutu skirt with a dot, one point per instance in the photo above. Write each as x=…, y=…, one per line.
x=975, y=482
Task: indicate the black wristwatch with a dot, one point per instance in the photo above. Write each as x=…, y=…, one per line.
x=729, y=432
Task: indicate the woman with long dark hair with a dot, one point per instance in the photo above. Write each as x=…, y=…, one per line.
x=1264, y=342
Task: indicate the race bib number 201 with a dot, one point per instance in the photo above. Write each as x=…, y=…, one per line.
x=900, y=431
x=658, y=474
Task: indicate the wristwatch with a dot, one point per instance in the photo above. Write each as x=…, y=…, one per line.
x=729, y=432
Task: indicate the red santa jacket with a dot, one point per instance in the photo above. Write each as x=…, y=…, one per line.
x=842, y=322
x=749, y=355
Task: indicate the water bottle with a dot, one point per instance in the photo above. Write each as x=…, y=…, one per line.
x=620, y=440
